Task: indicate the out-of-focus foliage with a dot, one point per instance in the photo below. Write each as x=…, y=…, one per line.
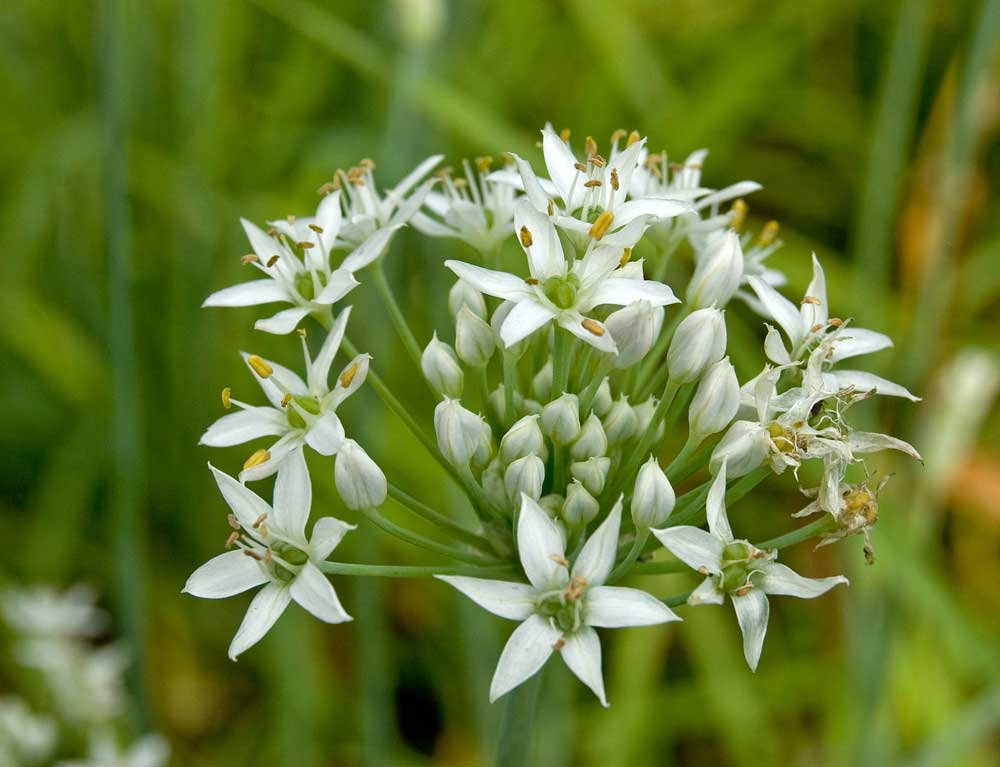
x=135, y=133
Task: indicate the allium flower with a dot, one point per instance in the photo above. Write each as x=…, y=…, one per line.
x=272, y=551
x=43, y=612
x=301, y=412
x=560, y=607
x=561, y=290
x=738, y=569
x=25, y=738
x=811, y=326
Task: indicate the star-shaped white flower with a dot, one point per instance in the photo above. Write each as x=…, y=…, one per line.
x=811, y=325
x=301, y=412
x=559, y=607
x=296, y=259
x=738, y=569
x=562, y=290
x=272, y=551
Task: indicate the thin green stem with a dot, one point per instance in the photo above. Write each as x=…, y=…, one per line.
x=660, y=568
x=426, y=543
x=626, y=564
x=514, y=744
x=425, y=512
x=415, y=571
x=645, y=382
x=587, y=395
x=475, y=491
x=648, y=438
x=403, y=330
x=824, y=524
x=509, y=387
x=561, y=356
x=677, y=466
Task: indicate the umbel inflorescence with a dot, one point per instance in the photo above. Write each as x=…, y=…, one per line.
x=562, y=391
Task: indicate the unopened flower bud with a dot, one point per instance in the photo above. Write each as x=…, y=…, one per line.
x=644, y=413
x=360, y=482
x=532, y=407
x=580, y=507
x=653, y=497
x=602, y=399
x=700, y=341
x=441, y=368
x=463, y=294
x=523, y=438
x=743, y=448
x=552, y=503
x=525, y=475
x=718, y=273
x=486, y=449
x=496, y=322
x=459, y=431
x=498, y=403
x=492, y=482
x=592, y=440
x=474, y=340
x=541, y=384
x=635, y=329
x=592, y=473
x=716, y=400
x=561, y=419
x=621, y=422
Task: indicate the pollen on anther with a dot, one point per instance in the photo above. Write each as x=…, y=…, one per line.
x=564, y=134
x=306, y=245
x=286, y=399
x=526, y=238
x=594, y=182
x=257, y=522
x=618, y=135
x=268, y=556
x=580, y=167
x=483, y=163
x=226, y=394
x=811, y=300
x=600, y=227
x=233, y=522
x=233, y=537
x=739, y=214
x=768, y=233
x=835, y=322
x=256, y=459
x=593, y=326
x=348, y=375
x=633, y=137
x=316, y=228
x=272, y=261
x=260, y=366
x=626, y=256
x=252, y=554
x=590, y=147
x=614, y=179
x=559, y=559
x=249, y=258
x=531, y=281
x=559, y=644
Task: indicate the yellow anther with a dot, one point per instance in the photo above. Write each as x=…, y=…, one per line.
x=633, y=137
x=593, y=183
x=811, y=300
x=600, y=227
x=272, y=261
x=484, y=163
x=559, y=644
x=618, y=135
x=531, y=281
x=614, y=179
x=260, y=366
x=305, y=244
x=348, y=375
x=233, y=522
x=257, y=522
x=835, y=322
x=233, y=537
x=769, y=233
x=316, y=228
x=226, y=394
x=590, y=147
x=301, y=332
x=559, y=559
x=526, y=238
x=259, y=457
x=580, y=167
x=328, y=188
x=739, y=214
x=252, y=554
x=593, y=326
x=249, y=258
x=626, y=256
x=286, y=399
x=564, y=134
x=815, y=328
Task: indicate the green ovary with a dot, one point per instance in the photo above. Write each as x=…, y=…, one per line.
x=562, y=291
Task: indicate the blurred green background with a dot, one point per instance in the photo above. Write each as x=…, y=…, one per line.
x=134, y=134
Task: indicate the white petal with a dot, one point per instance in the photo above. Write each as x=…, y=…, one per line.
x=622, y=291
x=872, y=442
x=245, y=425
x=525, y=318
x=292, y=497
x=863, y=381
x=779, y=579
x=597, y=558
x=313, y=591
x=327, y=533
x=369, y=250
x=244, y=502
x=573, y=322
x=341, y=283
x=252, y=293
x=525, y=653
x=532, y=186
x=488, y=281
x=319, y=371
x=615, y=607
x=649, y=206
x=263, y=612
x=225, y=575
x=283, y=322
x=752, y=612
x=628, y=235
x=707, y=593
x=774, y=346
x=288, y=380
x=262, y=244
x=329, y=218
x=326, y=434
x=715, y=507
x=540, y=545
x=515, y=601
x=582, y=653
x=731, y=192
x=561, y=164
x=693, y=546
x=852, y=342
x=545, y=255
x=815, y=314
x=780, y=309
x=625, y=163
x=414, y=176
x=279, y=452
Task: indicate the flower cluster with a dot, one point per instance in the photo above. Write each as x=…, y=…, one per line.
x=561, y=388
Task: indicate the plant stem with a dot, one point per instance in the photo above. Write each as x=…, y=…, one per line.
x=660, y=568
x=418, y=540
x=645, y=384
x=514, y=744
x=822, y=525
x=626, y=564
x=561, y=357
x=649, y=437
x=395, y=313
x=425, y=512
x=509, y=387
x=587, y=395
x=679, y=464
x=414, y=571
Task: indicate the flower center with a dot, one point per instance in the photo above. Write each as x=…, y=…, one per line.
x=304, y=285
x=562, y=291
x=309, y=404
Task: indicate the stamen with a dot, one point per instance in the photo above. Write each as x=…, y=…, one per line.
x=580, y=167
x=618, y=135
x=811, y=300
x=305, y=245
x=367, y=163
x=268, y=556
x=249, y=258
x=531, y=281
x=626, y=256
x=257, y=522
x=286, y=399
x=348, y=375
x=600, y=227
x=526, y=238
x=835, y=322
x=576, y=588
x=316, y=228
x=559, y=559
x=551, y=208
x=739, y=214
x=559, y=644
x=614, y=179
x=815, y=328
x=633, y=137
x=593, y=326
x=592, y=183
x=252, y=554
x=226, y=394
x=272, y=232
x=260, y=366
x=233, y=537
x=483, y=163
x=272, y=261
x=291, y=219
x=258, y=457
x=742, y=591
x=769, y=233
x=233, y=522
x=328, y=188
x=564, y=134
x=590, y=147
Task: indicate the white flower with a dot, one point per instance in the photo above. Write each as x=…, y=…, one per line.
x=273, y=551
x=811, y=326
x=716, y=401
x=718, y=272
x=735, y=567
x=367, y=212
x=559, y=607
x=359, y=480
x=653, y=497
x=301, y=412
x=559, y=290
x=473, y=208
x=635, y=329
x=41, y=611
x=698, y=343
x=25, y=738
x=459, y=431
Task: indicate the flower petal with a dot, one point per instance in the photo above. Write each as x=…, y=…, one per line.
x=262, y=244
x=693, y=546
x=531, y=183
x=280, y=381
x=525, y=318
x=540, y=545
x=329, y=218
x=780, y=579
x=263, y=612
x=622, y=291
x=545, y=254
x=314, y=592
x=815, y=314
x=872, y=442
x=707, y=593
x=245, y=425
x=515, y=601
x=327, y=533
x=582, y=653
x=292, y=497
x=319, y=371
x=852, y=342
x=597, y=558
x=279, y=451
x=525, y=653
x=601, y=340
x=731, y=192
x=780, y=309
x=340, y=283
x=561, y=165
x=616, y=607
x=752, y=612
x=244, y=502
x=413, y=177
x=863, y=381
x=369, y=250
x=326, y=434
x=251, y=293
x=225, y=575
x=650, y=206
x=715, y=507
x=489, y=281
x=283, y=322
